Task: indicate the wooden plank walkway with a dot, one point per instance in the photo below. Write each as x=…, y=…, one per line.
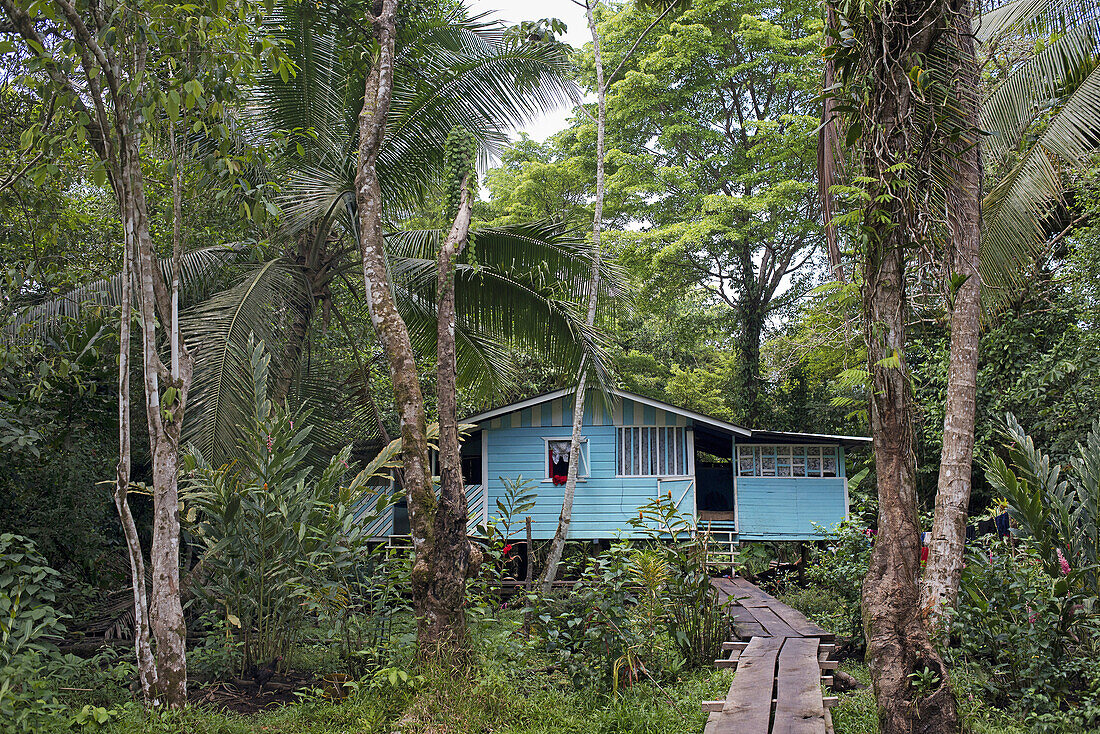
x=757, y=614
x=777, y=688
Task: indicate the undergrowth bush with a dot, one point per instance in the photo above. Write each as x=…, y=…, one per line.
x=1031, y=635
x=693, y=618
x=643, y=610
x=588, y=630
x=29, y=626
x=282, y=543
x=1027, y=619
x=838, y=570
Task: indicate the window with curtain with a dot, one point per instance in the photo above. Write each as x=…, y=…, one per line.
x=645, y=451
x=787, y=461
x=557, y=459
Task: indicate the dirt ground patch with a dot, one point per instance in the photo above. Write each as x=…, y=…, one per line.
x=244, y=696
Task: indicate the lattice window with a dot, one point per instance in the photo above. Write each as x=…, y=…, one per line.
x=787, y=461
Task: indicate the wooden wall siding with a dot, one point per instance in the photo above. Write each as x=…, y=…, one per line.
x=477, y=508
x=604, y=502
x=559, y=412
x=382, y=526
x=780, y=508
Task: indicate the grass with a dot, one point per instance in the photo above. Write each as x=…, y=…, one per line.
x=499, y=699
x=513, y=689
x=455, y=704
x=855, y=711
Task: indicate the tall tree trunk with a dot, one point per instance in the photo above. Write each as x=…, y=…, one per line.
x=394, y=335
x=164, y=420
x=452, y=553
x=557, y=545
x=945, y=556
x=749, y=382
x=898, y=646
x=146, y=664
x=897, y=643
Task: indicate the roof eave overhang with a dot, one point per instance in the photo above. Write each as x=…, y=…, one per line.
x=713, y=422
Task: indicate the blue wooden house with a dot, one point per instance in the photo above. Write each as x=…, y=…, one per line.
x=750, y=484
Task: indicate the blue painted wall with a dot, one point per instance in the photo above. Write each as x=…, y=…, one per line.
x=604, y=502
x=767, y=507
x=782, y=508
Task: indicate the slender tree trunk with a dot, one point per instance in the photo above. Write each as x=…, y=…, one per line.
x=394, y=335
x=452, y=553
x=750, y=383
x=557, y=545
x=146, y=664
x=898, y=645
x=829, y=155
x=116, y=139
x=164, y=420
x=945, y=555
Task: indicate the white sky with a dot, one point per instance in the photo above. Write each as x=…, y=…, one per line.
x=512, y=12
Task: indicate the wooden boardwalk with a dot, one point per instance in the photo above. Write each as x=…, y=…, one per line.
x=780, y=669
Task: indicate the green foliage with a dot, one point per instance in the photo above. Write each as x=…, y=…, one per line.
x=29, y=624
x=692, y=617
x=1031, y=635
x=355, y=607
x=638, y=613
x=836, y=572
x=218, y=657
x=1061, y=516
x=1027, y=618
x=719, y=176
x=56, y=433
x=495, y=696
x=501, y=531
x=588, y=630
x=277, y=537
x=28, y=591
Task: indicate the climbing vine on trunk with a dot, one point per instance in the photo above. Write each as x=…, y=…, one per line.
x=902, y=69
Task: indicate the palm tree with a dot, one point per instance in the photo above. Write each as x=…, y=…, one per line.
x=519, y=286
x=1041, y=116
x=522, y=290
x=1043, y=119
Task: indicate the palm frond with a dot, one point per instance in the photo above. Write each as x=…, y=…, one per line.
x=1014, y=211
x=1040, y=84
x=452, y=70
x=525, y=290
x=218, y=330
x=1041, y=16
x=199, y=269
x=320, y=99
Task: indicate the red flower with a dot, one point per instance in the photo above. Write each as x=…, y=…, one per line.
x=506, y=550
x=559, y=479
